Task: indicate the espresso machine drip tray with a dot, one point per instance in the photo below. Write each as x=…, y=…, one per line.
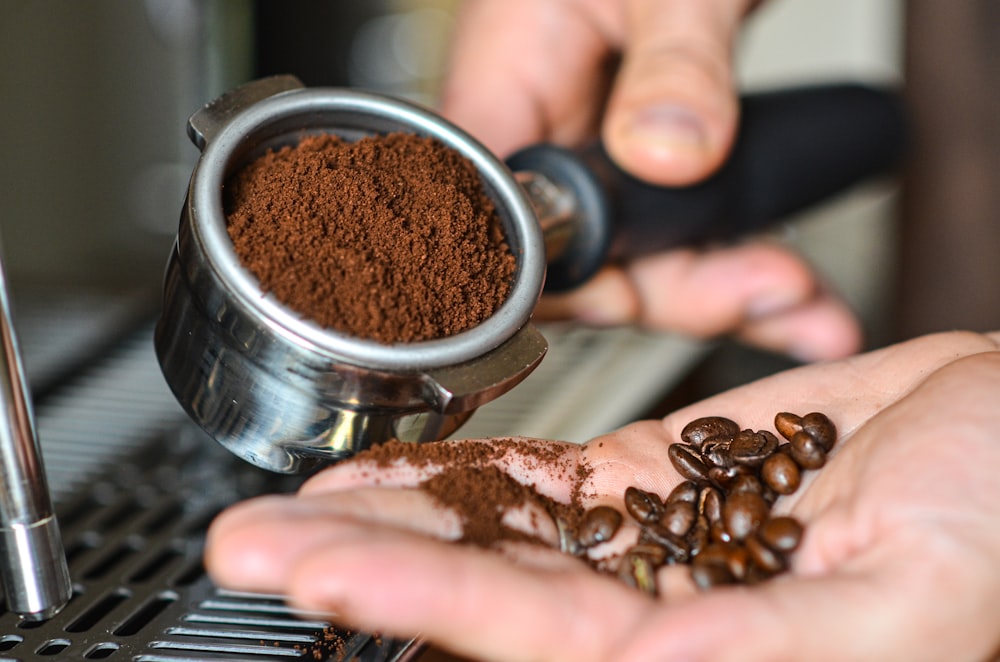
x=134, y=487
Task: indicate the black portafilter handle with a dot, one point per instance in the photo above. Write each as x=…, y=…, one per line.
x=794, y=148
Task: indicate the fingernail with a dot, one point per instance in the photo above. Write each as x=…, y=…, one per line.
x=669, y=126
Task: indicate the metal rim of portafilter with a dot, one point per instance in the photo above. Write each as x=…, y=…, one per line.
x=286, y=395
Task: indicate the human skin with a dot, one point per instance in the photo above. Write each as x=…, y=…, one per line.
x=654, y=79
x=899, y=559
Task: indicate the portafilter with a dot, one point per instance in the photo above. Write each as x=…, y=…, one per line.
x=287, y=395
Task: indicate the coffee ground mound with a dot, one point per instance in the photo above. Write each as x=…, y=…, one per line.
x=389, y=238
x=468, y=481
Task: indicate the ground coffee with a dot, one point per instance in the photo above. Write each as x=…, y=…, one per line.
x=390, y=238
x=479, y=491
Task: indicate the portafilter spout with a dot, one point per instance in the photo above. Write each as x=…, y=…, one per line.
x=35, y=575
x=287, y=395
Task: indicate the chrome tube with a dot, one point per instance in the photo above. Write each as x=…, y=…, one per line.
x=33, y=565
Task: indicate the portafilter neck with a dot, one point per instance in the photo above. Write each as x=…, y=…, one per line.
x=33, y=565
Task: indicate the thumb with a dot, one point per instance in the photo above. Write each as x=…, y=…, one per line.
x=673, y=111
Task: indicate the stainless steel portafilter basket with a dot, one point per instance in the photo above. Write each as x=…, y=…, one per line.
x=287, y=395
x=278, y=390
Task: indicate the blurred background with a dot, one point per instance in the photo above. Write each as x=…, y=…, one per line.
x=94, y=163
x=95, y=158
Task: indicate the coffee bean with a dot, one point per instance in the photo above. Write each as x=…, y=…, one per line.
x=752, y=448
x=708, y=575
x=569, y=543
x=677, y=548
x=599, y=525
x=738, y=561
x=746, y=483
x=697, y=537
x=787, y=424
x=743, y=513
x=781, y=473
x=686, y=491
x=806, y=450
x=722, y=478
x=711, y=568
x=763, y=556
x=642, y=505
x=782, y=534
x=638, y=571
x=716, y=552
x=821, y=429
x=717, y=533
x=710, y=503
x=655, y=553
x=687, y=462
x=715, y=453
x=701, y=430
x=679, y=517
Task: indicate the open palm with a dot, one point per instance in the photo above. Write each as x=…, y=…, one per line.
x=901, y=557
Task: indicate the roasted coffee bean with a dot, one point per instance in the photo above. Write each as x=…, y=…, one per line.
x=677, y=548
x=717, y=532
x=722, y=478
x=751, y=448
x=763, y=556
x=638, y=571
x=711, y=568
x=710, y=503
x=746, y=483
x=743, y=513
x=655, y=553
x=787, y=424
x=643, y=506
x=679, y=517
x=820, y=428
x=715, y=453
x=697, y=537
x=686, y=491
x=716, y=552
x=781, y=473
x=599, y=525
x=687, y=462
x=707, y=575
x=701, y=430
x=738, y=561
x=569, y=543
x=806, y=450
x=782, y=534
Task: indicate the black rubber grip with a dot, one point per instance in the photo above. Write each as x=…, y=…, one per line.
x=794, y=148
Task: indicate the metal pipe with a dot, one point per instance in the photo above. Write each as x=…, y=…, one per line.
x=33, y=565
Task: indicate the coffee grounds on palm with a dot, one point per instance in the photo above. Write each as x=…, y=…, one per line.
x=390, y=238
x=469, y=482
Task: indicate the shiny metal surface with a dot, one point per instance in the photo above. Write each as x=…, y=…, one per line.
x=280, y=391
x=33, y=563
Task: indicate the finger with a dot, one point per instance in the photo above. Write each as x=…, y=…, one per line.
x=850, y=390
x=818, y=329
x=467, y=600
x=524, y=71
x=758, y=289
x=673, y=111
x=253, y=545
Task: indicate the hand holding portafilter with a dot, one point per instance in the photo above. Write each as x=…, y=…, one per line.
x=287, y=395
